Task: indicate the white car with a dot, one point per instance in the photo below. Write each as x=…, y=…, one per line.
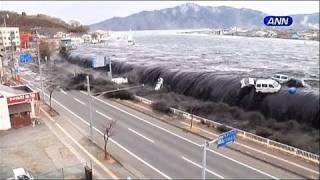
x=267, y=86
x=281, y=78
x=21, y=173
x=245, y=82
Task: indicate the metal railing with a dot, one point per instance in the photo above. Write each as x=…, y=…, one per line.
x=246, y=135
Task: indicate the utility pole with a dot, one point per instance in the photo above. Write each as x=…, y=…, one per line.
x=90, y=107
x=12, y=52
x=40, y=70
x=4, y=49
x=110, y=68
x=204, y=159
x=204, y=156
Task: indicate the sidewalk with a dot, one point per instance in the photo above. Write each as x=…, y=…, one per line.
x=39, y=151
x=76, y=139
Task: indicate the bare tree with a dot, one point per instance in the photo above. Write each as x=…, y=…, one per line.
x=51, y=87
x=52, y=81
x=109, y=131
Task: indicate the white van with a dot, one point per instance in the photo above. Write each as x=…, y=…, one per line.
x=281, y=78
x=267, y=86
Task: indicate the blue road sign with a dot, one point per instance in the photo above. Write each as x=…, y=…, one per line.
x=25, y=58
x=226, y=138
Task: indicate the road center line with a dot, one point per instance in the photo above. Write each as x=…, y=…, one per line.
x=140, y=135
x=61, y=90
x=79, y=101
x=199, y=166
x=103, y=115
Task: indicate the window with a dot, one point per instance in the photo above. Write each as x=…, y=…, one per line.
x=278, y=77
x=264, y=85
x=258, y=85
x=271, y=86
x=284, y=77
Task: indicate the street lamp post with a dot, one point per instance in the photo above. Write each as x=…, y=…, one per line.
x=110, y=68
x=40, y=69
x=90, y=107
x=204, y=156
x=14, y=64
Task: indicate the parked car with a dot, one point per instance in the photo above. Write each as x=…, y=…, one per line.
x=281, y=78
x=267, y=86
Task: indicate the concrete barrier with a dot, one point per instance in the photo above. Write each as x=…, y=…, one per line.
x=246, y=135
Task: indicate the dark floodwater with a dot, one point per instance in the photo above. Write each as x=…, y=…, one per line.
x=210, y=68
x=223, y=55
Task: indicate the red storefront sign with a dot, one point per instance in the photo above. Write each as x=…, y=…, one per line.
x=23, y=98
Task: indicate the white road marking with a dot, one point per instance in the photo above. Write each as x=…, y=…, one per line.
x=148, y=122
x=134, y=155
x=113, y=141
x=200, y=145
x=84, y=93
x=259, y=151
x=79, y=101
x=83, y=149
x=61, y=90
x=199, y=166
x=140, y=135
x=238, y=162
x=103, y=115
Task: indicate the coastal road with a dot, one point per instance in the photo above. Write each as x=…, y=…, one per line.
x=158, y=150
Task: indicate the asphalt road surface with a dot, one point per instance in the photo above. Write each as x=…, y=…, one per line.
x=159, y=150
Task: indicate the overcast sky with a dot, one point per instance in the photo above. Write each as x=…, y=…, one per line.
x=88, y=12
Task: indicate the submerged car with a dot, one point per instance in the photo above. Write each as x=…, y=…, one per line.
x=281, y=78
x=267, y=86
x=246, y=82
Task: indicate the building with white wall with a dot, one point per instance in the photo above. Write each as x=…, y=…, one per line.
x=5, y=37
x=18, y=106
x=4, y=114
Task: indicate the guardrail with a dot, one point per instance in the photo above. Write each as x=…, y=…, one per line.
x=246, y=135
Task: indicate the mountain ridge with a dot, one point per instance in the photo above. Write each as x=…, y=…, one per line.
x=192, y=16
